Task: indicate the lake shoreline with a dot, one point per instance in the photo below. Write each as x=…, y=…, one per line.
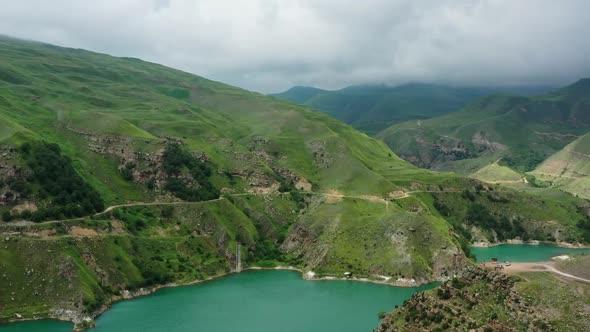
x=78, y=321
x=311, y=276
x=87, y=322
x=567, y=245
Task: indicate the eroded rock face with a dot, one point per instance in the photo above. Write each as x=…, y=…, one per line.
x=391, y=248
x=147, y=167
x=298, y=181
x=458, y=305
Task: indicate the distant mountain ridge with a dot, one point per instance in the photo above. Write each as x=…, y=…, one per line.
x=372, y=108
x=522, y=130
x=300, y=94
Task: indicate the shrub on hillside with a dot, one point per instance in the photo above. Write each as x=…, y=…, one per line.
x=175, y=161
x=584, y=225
x=54, y=180
x=524, y=162
x=287, y=185
x=6, y=216
x=127, y=171
x=479, y=215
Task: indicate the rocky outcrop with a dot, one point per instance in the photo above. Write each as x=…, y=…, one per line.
x=322, y=157
x=475, y=300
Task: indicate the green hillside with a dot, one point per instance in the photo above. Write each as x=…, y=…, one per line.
x=84, y=131
x=494, y=173
x=72, y=96
x=521, y=130
x=569, y=169
x=119, y=175
x=372, y=108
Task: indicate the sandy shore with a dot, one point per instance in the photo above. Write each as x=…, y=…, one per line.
x=530, y=243
x=381, y=280
x=516, y=268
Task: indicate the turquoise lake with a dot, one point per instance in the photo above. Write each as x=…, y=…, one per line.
x=268, y=301
x=522, y=252
x=252, y=301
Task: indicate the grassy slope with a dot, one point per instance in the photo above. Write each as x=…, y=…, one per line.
x=47, y=267
x=63, y=91
x=497, y=173
x=579, y=266
x=523, y=130
x=374, y=239
x=569, y=168
x=548, y=215
x=565, y=304
x=72, y=97
x=13, y=133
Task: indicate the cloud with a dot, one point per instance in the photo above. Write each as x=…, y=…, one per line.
x=270, y=45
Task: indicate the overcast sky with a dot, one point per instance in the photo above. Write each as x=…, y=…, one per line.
x=270, y=45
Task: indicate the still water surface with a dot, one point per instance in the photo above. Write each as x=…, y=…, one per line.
x=252, y=301
x=261, y=301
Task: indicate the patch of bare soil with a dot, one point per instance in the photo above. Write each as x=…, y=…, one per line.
x=274, y=188
x=480, y=139
x=333, y=196
x=372, y=198
x=26, y=206
x=522, y=267
x=80, y=231
x=515, y=268
x=398, y=194
x=303, y=185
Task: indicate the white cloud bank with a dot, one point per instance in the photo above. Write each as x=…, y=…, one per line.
x=270, y=45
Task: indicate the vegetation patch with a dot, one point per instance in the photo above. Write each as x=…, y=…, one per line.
x=180, y=164
x=50, y=177
x=489, y=214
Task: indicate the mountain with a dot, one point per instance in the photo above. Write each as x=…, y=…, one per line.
x=300, y=94
x=118, y=176
x=569, y=168
x=372, y=108
x=521, y=130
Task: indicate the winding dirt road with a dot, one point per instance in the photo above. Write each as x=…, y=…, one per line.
x=371, y=198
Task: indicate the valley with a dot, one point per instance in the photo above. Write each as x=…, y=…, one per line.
x=119, y=176
x=522, y=130
x=373, y=108
x=502, y=136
